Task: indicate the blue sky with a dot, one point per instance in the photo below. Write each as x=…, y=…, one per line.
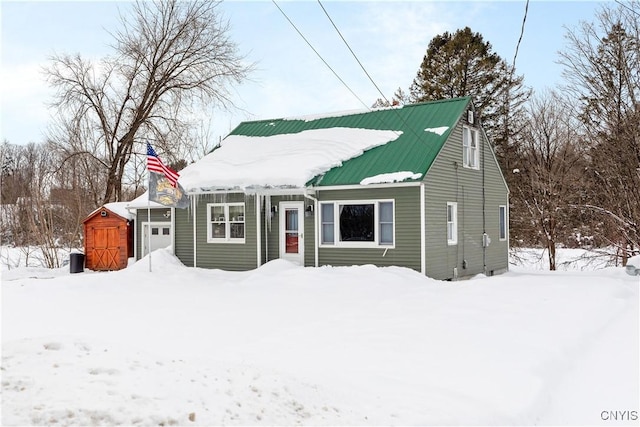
x=389, y=37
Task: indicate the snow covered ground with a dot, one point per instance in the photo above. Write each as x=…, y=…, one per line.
x=287, y=345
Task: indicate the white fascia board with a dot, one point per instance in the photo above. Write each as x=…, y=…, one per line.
x=364, y=187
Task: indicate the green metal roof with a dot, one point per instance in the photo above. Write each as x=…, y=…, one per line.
x=414, y=151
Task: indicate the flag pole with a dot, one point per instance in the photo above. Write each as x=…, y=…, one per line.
x=149, y=221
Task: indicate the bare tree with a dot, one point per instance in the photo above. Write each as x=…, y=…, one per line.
x=548, y=177
x=602, y=68
x=29, y=215
x=169, y=57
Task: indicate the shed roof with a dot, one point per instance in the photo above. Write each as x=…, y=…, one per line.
x=361, y=147
x=118, y=208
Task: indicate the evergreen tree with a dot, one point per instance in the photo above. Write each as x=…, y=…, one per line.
x=463, y=64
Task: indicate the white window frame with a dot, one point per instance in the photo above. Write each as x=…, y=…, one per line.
x=470, y=148
x=503, y=224
x=337, y=243
x=227, y=223
x=452, y=224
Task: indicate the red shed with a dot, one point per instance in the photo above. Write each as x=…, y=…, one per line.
x=108, y=238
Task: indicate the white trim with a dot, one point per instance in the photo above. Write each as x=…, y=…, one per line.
x=227, y=224
x=473, y=155
x=173, y=227
x=423, y=231
x=316, y=215
x=195, y=230
x=454, y=214
x=365, y=187
x=506, y=223
x=495, y=160
x=284, y=191
x=375, y=244
x=276, y=191
x=258, y=233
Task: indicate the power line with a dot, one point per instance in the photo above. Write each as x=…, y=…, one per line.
x=627, y=7
x=353, y=53
x=524, y=20
x=319, y=56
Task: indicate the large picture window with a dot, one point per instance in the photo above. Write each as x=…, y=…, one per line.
x=357, y=224
x=470, y=155
x=225, y=223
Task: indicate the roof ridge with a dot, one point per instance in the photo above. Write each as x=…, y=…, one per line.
x=354, y=112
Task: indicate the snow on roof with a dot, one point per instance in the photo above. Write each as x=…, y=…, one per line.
x=385, y=178
x=119, y=208
x=286, y=160
x=439, y=130
x=142, y=201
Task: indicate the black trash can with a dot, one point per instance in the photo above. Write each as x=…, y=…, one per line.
x=76, y=262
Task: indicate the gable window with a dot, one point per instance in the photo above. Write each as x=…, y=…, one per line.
x=357, y=224
x=470, y=154
x=502, y=218
x=452, y=223
x=225, y=223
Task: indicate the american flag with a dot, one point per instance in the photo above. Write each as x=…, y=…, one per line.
x=154, y=164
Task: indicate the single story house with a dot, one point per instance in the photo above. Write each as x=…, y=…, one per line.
x=417, y=186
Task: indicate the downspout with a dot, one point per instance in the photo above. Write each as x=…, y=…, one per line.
x=195, y=246
x=423, y=230
x=315, y=226
x=485, y=240
x=267, y=228
x=173, y=230
x=258, y=231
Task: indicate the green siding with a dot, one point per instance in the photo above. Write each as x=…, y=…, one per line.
x=497, y=255
x=157, y=215
x=449, y=181
x=226, y=256
x=183, y=235
x=273, y=237
x=407, y=229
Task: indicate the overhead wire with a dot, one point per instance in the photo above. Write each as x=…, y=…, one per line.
x=319, y=56
x=402, y=119
x=524, y=20
x=352, y=52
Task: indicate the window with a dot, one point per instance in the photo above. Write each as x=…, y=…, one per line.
x=225, y=222
x=357, y=224
x=452, y=223
x=502, y=218
x=327, y=220
x=470, y=158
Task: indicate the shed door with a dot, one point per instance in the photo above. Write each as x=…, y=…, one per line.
x=106, y=248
